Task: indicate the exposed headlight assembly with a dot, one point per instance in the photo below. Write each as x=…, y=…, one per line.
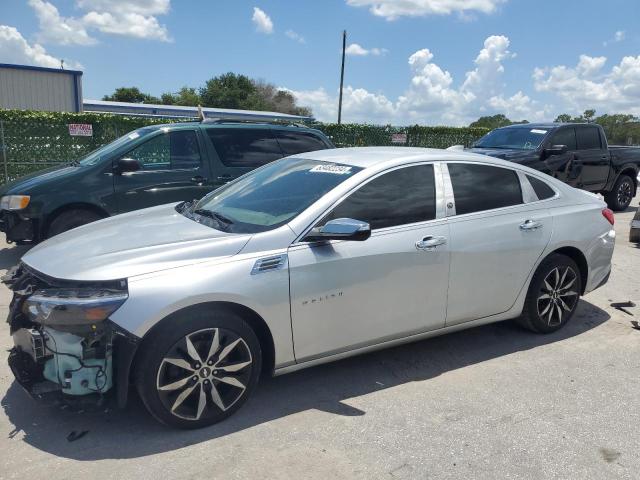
x=14, y=202
x=65, y=307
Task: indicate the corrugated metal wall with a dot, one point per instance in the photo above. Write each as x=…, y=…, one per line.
x=31, y=89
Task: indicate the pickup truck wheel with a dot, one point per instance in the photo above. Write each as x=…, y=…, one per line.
x=198, y=368
x=619, y=198
x=70, y=219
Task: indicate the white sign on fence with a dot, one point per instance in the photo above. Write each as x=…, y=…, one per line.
x=80, y=130
x=399, y=138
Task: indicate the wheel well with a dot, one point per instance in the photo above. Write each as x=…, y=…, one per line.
x=70, y=206
x=578, y=257
x=630, y=172
x=255, y=321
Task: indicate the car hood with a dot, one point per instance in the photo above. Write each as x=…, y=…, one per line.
x=23, y=185
x=132, y=244
x=512, y=155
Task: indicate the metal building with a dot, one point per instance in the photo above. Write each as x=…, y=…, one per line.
x=37, y=88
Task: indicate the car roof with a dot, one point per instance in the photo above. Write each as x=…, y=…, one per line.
x=367, y=157
x=179, y=125
x=549, y=125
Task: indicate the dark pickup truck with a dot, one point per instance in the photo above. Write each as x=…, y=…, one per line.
x=576, y=153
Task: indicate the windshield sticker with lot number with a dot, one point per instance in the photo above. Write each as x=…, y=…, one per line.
x=335, y=169
x=540, y=132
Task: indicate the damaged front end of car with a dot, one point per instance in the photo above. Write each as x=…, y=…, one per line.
x=64, y=343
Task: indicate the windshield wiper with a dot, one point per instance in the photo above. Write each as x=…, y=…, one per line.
x=215, y=215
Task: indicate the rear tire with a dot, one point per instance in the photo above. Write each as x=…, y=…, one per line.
x=71, y=219
x=621, y=195
x=198, y=368
x=553, y=295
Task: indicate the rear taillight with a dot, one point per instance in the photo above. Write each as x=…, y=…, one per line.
x=608, y=214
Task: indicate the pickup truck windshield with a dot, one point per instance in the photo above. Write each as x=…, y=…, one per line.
x=513, y=138
x=95, y=156
x=269, y=196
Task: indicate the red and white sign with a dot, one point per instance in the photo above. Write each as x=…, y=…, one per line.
x=399, y=138
x=80, y=130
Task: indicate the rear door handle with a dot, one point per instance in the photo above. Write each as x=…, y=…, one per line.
x=225, y=178
x=430, y=243
x=530, y=225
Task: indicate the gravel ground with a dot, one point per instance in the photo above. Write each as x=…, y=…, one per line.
x=490, y=402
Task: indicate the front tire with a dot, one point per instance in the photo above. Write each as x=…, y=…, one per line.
x=198, y=368
x=553, y=295
x=620, y=197
x=71, y=219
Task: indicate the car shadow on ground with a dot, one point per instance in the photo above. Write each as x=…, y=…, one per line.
x=132, y=433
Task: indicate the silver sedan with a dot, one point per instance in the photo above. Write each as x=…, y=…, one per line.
x=306, y=260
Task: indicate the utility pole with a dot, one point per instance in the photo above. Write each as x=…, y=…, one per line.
x=344, y=50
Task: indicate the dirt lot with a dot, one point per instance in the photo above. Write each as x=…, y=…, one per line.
x=491, y=402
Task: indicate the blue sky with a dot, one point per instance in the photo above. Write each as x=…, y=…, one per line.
x=420, y=61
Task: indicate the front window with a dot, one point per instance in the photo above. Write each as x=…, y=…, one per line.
x=268, y=197
x=513, y=138
x=95, y=156
x=177, y=150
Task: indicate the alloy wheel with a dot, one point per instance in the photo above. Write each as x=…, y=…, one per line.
x=204, y=373
x=625, y=193
x=557, y=297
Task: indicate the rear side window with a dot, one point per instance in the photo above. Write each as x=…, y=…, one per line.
x=176, y=150
x=244, y=147
x=565, y=136
x=483, y=187
x=543, y=191
x=298, y=142
x=406, y=195
x=588, y=138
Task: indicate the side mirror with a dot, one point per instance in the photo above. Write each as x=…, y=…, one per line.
x=340, y=229
x=126, y=164
x=556, y=150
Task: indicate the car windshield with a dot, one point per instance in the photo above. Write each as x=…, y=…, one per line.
x=95, y=156
x=513, y=138
x=269, y=196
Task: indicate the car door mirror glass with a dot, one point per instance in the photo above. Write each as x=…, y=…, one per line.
x=340, y=229
x=127, y=164
x=556, y=150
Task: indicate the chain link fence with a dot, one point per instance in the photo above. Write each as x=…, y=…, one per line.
x=34, y=141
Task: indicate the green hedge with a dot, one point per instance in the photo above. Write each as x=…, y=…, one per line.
x=37, y=140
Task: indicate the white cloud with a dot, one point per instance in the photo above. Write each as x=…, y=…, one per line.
x=359, y=51
x=59, y=30
x=393, y=9
x=296, y=37
x=619, y=36
x=116, y=17
x=431, y=96
x=262, y=21
x=127, y=24
x=518, y=107
x=15, y=49
x=587, y=86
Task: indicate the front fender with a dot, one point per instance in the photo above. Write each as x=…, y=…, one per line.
x=155, y=296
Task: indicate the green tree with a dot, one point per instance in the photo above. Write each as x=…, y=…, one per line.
x=491, y=122
x=588, y=115
x=186, y=97
x=131, y=95
x=564, y=118
x=230, y=91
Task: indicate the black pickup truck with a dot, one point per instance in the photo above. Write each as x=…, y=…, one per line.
x=576, y=153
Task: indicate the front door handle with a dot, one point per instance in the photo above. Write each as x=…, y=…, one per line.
x=430, y=243
x=225, y=178
x=530, y=225
x=198, y=179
